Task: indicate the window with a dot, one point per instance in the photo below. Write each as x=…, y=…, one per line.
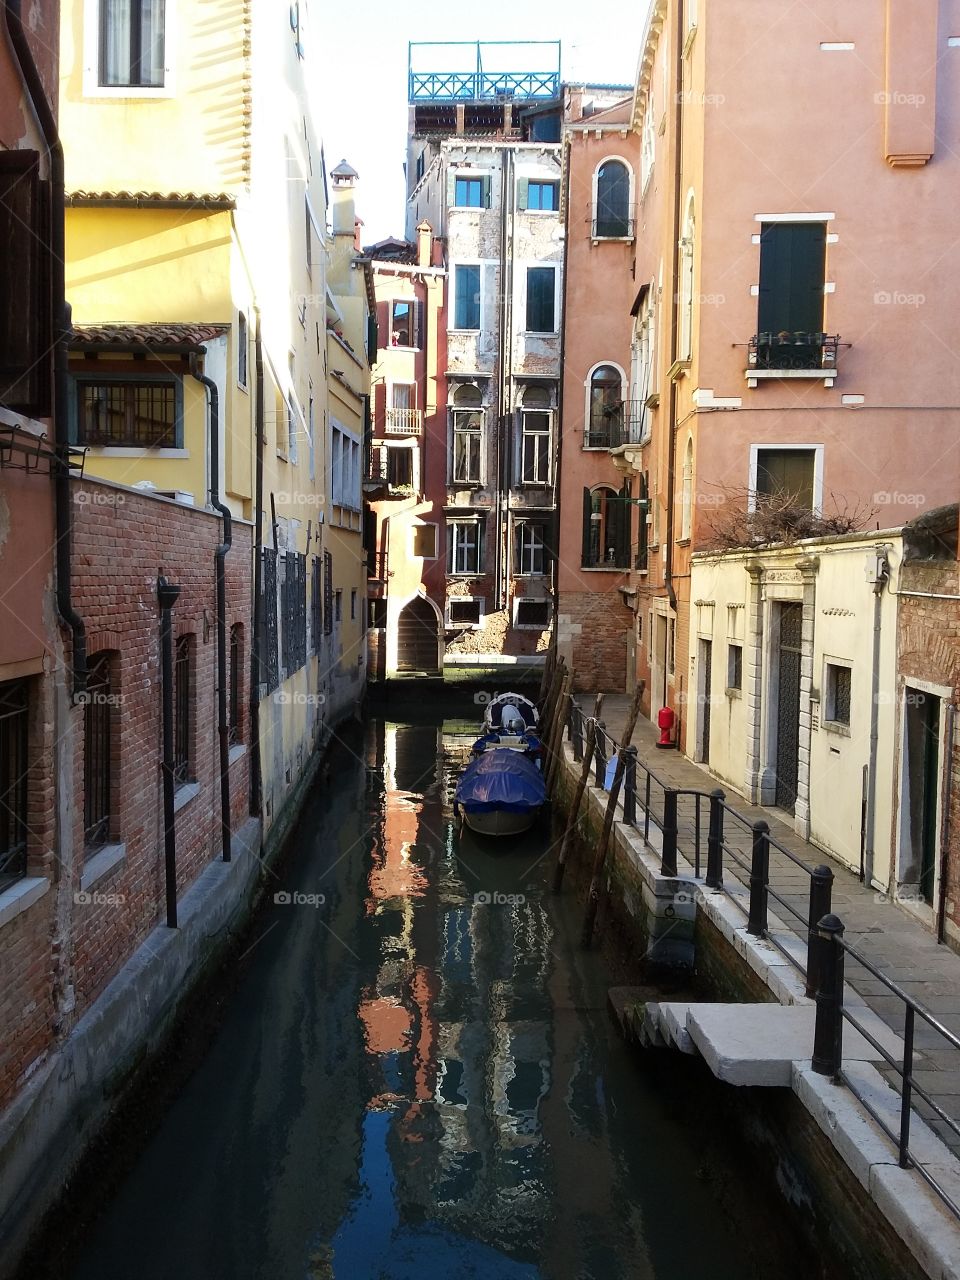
x=378, y=613
x=25, y=314
x=467, y=435
x=132, y=43
x=531, y=615
x=606, y=408
x=242, y=341
x=837, y=685
x=541, y=299
x=790, y=309
x=540, y=196
x=403, y=324
x=183, y=711
x=647, y=145
x=400, y=468
x=403, y=417
x=471, y=191
x=344, y=469
x=643, y=369
x=529, y=548
x=293, y=425
x=338, y=605
x=14, y=772
x=786, y=476
x=465, y=611
x=535, y=437
x=466, y=309
x=235, y=697
x=606, y=528
x=734, y=666
x=293, y=611
x=464, y=546
x=353, y=606
x=136, y=413
x=687, y=240
x=612, y=210
x=316, y=602
x=425, y=541
x=327, y=593
x=268, y=664
x=98, y=742
x=686, y=493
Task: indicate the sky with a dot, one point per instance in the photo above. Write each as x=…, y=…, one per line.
x=359, y=54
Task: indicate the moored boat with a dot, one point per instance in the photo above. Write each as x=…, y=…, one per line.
x=501, y=792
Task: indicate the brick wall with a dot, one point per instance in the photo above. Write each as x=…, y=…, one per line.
x=595, y=626
x=59, y=954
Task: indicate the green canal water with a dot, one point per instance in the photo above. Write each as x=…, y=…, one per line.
x=414, y=1075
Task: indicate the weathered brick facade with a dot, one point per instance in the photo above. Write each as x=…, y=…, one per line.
x=592, y=628
x=59, y=954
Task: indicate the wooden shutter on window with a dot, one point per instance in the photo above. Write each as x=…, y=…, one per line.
x=417, y=324
x=486, y=191
x=26, y=333
x=644, y=527
x=622, y=527
x=587, y=512
x=523, y=192
x=792, y=264
x=451, y=188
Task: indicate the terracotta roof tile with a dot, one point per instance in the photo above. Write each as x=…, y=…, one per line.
x=150, y=337
x=153, y=199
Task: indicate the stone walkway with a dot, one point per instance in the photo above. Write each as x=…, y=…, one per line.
x=885, y=933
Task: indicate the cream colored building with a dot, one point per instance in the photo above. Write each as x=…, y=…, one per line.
x=792, y=687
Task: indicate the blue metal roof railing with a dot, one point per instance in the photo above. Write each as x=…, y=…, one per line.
x=479, y=84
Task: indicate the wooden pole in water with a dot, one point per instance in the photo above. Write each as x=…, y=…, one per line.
x=555, y=749
x=546, y=719
x=585, y=768
x=547, y=672
x=593, y=899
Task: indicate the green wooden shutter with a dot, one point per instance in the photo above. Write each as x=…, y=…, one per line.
x=644, y=527
x=523, y=188
x=792, y=263
x=622, y=543
x=587, y=512
x=486, y=192
x=418, y=324
x=451, y=188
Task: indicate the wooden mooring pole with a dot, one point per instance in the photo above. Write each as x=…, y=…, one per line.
x=585, y=767
x=593, y=898
x=555, y=748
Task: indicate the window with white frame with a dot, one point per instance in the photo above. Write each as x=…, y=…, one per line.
x=611, y=215
x=471, y=191
x=466, y=296
x=785, y=477
x=404, y=323
x=541, y=300
x=687, y=246
x=532, y=613
x=464, y=546
x=467, y=415
x=837, y=688
x=535, y=436
x=400, y=467
x=648, y=144
x=344, y=469
x=465, y=611
x=605, y=408
x=530, y=548
x=131, y=43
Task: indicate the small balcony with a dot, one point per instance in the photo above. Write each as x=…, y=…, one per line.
x=616, y=427
x=612, y=229
x=403, y=422
x=792, y=355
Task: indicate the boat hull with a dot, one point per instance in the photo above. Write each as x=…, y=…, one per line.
x=500, y=793
x=498, y=822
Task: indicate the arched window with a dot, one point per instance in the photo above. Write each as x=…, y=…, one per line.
x=612, y=213
x=686, y=512
x=606, y=408
x=606, y=528
x=687, y=246
x=467, y=435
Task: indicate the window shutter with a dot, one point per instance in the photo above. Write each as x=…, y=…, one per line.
x=26, y=335
x=622, y=543
x=449, y=548
x=486, y=192
x=587, y=511
x=451, y=188
x=418, y=324
x=644, y=527
x=792, y=263
x=523, y=189
x=481, y=529
x=372, y=337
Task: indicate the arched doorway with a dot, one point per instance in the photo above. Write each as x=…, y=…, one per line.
x=418, y=637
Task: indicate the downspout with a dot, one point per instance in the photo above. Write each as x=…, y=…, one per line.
x=219, y=556
x=256, y=657
x=947, y=793
x=61, y=335
x=674, y=333
x=557, y=491
x=883, y=573
x=499, y=472
x=167, y=595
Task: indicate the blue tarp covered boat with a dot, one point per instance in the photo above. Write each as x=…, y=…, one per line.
x=500, y=793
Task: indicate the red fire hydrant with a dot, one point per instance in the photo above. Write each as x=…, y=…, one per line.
x=665, y=721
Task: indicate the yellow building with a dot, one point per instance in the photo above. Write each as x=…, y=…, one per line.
x=197, y=248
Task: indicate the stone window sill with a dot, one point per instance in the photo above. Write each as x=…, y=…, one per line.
x=834, y=726
x=21, y=895
x=734, y=693
x=100, y=864
x=186, y=792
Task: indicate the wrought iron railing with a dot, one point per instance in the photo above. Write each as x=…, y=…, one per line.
x=612, y=229
x=620, y=426
x=797, y=350
x=703, y=828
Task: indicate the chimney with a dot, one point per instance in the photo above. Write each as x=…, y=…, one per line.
x=344, y=178
x=424, y=244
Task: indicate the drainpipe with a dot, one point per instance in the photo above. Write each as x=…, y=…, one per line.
x=674, y=329
x=167, y=595
x=220, y=555
x=555, y=535
x=883, y=573
x=62, y=324
x=256, y=658
x=945, y=825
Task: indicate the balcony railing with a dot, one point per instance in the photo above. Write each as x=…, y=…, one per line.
x=612, y=229
x=786, y=350
x=624, y=425
x=403, y=422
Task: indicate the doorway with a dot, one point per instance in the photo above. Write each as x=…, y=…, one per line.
x=788, y=705
x=922, y=747
x=705, y=657
x=418, y=638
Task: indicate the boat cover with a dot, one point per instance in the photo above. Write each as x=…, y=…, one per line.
x=501, y=780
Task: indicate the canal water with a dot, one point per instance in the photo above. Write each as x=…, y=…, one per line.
x=415, y=1075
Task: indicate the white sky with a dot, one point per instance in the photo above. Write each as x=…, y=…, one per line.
x=359, y=55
